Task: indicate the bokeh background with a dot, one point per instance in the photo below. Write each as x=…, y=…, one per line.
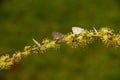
x=22, y=20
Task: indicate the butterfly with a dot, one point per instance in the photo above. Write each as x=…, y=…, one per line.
x=95, y=30
x=57, y=35
x=77, y=30
x=36, y=42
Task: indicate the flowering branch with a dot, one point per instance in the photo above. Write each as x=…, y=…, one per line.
x=79, y=37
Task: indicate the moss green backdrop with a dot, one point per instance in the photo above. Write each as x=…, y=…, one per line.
x=22, y=20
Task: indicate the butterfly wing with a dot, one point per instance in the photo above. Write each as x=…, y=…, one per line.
x=36, y=42
x=95, y=30
x=57, y=35
x=77, y=30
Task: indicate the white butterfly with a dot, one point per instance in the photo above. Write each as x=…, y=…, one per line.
x=77, y=30
x=36, y=42
x=57, y=35
x=95, y=30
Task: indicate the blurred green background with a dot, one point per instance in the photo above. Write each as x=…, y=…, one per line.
x=22, y=20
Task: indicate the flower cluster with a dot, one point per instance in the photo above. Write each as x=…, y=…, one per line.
x=78, y=37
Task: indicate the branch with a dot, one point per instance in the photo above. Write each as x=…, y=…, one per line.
x=79, y=37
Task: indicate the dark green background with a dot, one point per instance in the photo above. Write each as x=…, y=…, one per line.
x=22, y=20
